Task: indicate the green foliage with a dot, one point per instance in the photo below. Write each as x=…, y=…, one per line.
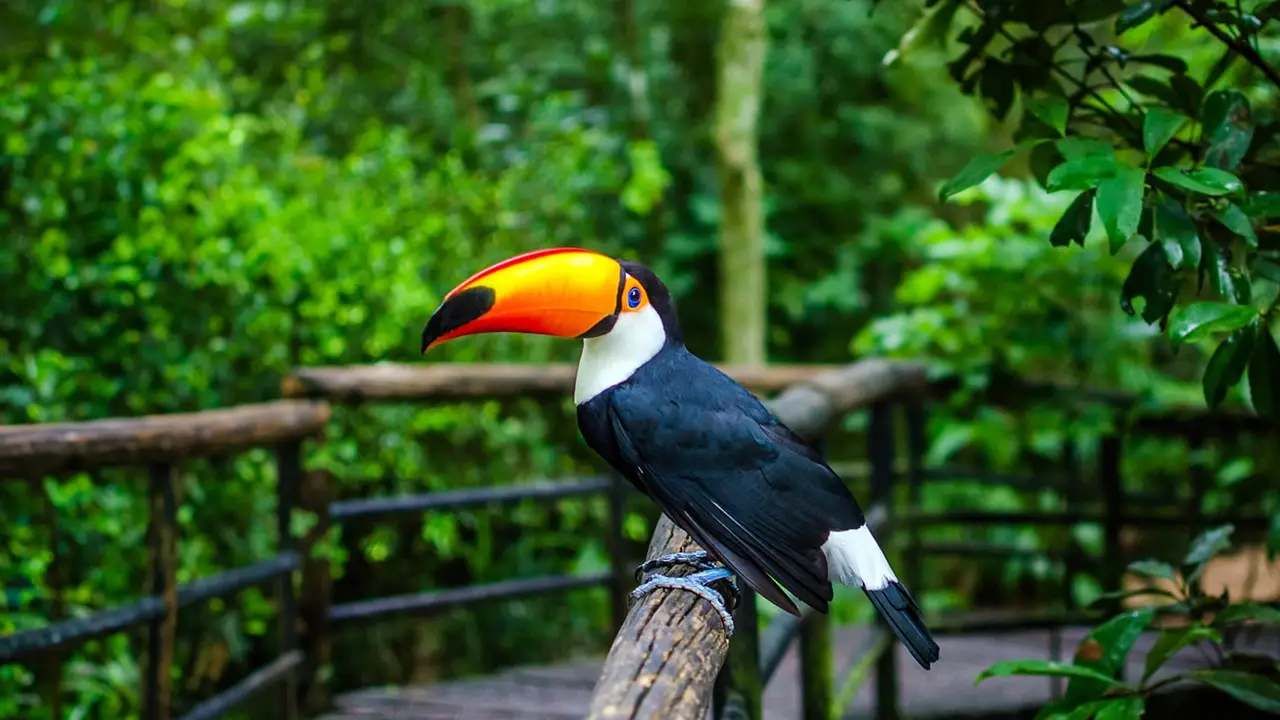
x=994, y=294
x=198, y=196
x=1093, y=690
x=1176, y=152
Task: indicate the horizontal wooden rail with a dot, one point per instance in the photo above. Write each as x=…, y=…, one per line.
x=257, y=681
x=962, y=623
x=776, y=640
x=75, y=632
x=981, y=477
x=31, y=450
x=344, y=510
x=431, y=381
x=1201, y=422
x=989, y=550
x=437, y=600
x=664, y=660
x=982, y=517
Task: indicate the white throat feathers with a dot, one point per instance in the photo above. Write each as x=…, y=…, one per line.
x=613, y=357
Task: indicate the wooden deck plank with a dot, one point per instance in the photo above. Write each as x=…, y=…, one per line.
x=563, y=691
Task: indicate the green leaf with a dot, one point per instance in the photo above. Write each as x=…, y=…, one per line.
x=1074, y=148
x=1074, y=224
x=1228, y=127
x=1173, y=225
x=1159, y=127
x=1082, y=173
x=930, y=29
x=1173, y=640
x=1264, y=204
x=1205, y=180
x=1152, y=568
x=1154, y=88
x=1228, y=280
x=1110, y=597
x=1128, y=707
x=1119, y=204
x=997, y=86
x=1226, y=365
x=1052, y=111
x=1199, y=320
x=1105, y=648
x=1253, y=690
x=1168, y=62
x=1205, y=547
x=1248, y=612
x=1091, y=710
x=1188, y=93
x=979, y=168
x=1267, y=269
x=1046, y=667
x=1138, y=13
x=1042, y=160
x=1153, y=279
x=1264, y=374
x=1235, y=220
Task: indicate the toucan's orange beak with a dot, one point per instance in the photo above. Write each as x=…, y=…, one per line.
x=564, y=292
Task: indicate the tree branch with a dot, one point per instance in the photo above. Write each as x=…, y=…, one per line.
x=1243, y=49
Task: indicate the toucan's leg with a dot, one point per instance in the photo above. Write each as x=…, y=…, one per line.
x=698, y=584
x=699, y=559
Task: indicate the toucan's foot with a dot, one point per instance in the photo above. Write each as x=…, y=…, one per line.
x=699, y=584
x=699, y=559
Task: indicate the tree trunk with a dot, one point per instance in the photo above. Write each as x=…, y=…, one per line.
x=740, y=62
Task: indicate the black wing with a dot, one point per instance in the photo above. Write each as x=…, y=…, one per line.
x=740, y=483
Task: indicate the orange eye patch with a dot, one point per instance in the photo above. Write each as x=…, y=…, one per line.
x=633, y=296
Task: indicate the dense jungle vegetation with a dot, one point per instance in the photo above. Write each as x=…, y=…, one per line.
x=198, y=195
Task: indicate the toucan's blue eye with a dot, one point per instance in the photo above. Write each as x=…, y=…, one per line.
x=633, y=297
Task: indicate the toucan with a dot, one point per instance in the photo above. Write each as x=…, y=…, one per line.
x=759, y=500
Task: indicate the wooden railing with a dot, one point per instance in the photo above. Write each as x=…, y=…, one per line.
x=653, y=669
x=161, y=443
x=815, y=399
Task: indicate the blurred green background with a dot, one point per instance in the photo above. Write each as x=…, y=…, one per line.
x=198, y=195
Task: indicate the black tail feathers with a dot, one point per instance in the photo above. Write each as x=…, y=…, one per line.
x=902, y=614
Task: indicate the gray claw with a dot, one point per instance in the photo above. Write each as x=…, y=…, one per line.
x=698, y=584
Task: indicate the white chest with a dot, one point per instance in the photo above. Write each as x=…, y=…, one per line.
x=613, y=357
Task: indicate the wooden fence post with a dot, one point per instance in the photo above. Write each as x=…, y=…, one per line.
x=317, y=494
x=816, y=670
x=48, y=669
x=288, y=470
x=738, y=690
x=1109, y=450
x=619, y=580
x=881, y=451
x=163, y=546
x=1070, y=555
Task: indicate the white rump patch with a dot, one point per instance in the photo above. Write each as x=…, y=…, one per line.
x=613, y=357
x=854, y=558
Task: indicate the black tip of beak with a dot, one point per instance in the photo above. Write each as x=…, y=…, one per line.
x=467, y=306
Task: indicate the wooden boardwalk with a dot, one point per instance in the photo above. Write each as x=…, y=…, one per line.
x=563, y=692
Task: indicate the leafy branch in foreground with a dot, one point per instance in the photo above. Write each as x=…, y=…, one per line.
x=1153, y=147
x=1093, y=690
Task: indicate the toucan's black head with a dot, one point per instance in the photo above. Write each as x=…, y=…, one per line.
x=659, y=297
x=566, y=292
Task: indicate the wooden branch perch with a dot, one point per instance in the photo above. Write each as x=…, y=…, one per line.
x=664, y=660
x=28, y=450
x=394, y=381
